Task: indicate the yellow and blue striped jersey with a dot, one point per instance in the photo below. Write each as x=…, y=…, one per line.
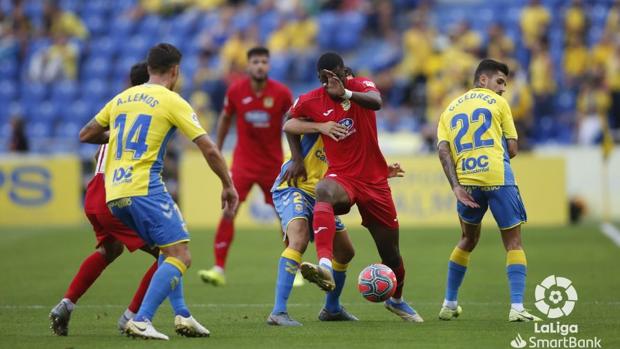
x=142, y=119
x=477, y=124
x=313, y=151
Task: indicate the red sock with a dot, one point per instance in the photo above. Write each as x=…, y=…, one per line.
x=223, y=239
x=89, y=271
x=141, y=291
x=324, y=226
x=400, y=278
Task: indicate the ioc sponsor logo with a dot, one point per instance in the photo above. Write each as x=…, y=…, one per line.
x=475, y=164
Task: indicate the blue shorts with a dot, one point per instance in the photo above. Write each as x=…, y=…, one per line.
x=293, y=203
x=505, y=203
x=156, y=218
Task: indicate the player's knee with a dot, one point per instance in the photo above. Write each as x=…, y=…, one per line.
x=468, y=243
x=298, y=245
x=344, y=255
x=111, y=250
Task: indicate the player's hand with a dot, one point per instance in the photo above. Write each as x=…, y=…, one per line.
x=333, y=86
x=230, y=201
x=464, y=197
x=333, y=130
x=394, y=170
x=295, y=171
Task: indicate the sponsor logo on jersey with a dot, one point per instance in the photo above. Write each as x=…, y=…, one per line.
x=258, y=118
x=122, y=175
x=268, y=102
x=349, y=124
x=246, y=100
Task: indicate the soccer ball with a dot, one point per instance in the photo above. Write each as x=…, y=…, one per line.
x=377, y=282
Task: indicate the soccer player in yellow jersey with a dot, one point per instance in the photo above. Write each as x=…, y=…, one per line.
x=137, y=125
x=476, y=139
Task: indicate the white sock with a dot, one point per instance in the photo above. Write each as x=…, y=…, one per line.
x=450, y=304
x=326, y=262
x=129, y=314
x=68, y=303
x=218, y=269
x=517, y=306
x=397, y=300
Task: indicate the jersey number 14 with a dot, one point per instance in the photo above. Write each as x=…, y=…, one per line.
x=136, y=137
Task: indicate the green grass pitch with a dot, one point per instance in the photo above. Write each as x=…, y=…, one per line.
x=38, y=264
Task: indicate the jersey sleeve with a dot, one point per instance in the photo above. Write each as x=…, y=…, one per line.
x=362, y=85
x=229, y=106
x=287, y=100
x=299, y=109
x=184, y=118
x=442, y=130
x=103, y=116
x=508, y=125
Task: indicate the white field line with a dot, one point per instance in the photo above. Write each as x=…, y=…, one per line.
x=611, y=232
x=259, y=305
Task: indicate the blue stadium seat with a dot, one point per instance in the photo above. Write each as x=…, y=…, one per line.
x=97, y=7
x=45, y=111
x=96, y=23
x=121, y=27
x=64, y=92
x=68, y=129
x=34, y=92
x=8, y=91
x=9, y=68
x=95, y=90
x=96, y=67
x=267, y=23
x=78, y=111
x=150, y=25
x=39, y=128
x=103, y=47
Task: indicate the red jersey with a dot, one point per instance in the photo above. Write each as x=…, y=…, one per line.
x=259, y=126
x=357, y=154
x=94, y=201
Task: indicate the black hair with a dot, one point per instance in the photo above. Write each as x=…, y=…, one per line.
x=162, y=57
x=349, y=72
x=329, y=61
x=258, y=51
x=139, y=74
x=491, y=66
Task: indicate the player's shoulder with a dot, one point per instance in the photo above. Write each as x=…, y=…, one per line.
x=362, y=81
x=278, y=86
x=238, y=84
x=312, y=95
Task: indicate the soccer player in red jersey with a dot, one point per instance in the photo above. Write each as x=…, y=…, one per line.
x=259, y=104
x=111, y=235
x=357, y=173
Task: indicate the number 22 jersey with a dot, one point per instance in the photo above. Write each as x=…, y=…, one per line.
x=477, y=125
x=142, y=119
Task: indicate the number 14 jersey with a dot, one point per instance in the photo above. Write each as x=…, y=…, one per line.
x=477, y=125
x=142, y=119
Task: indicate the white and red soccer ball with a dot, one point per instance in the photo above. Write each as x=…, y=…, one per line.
x=377, y=282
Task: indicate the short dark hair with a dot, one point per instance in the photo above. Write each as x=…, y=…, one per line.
x=329, y=61
x=162, y=57
x=139, y=74
x=349, y=72
x=490, y=66
x=258, y=51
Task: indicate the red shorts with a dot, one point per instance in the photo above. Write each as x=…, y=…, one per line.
x=374, y=200
x=106, y=226
x=243, y=183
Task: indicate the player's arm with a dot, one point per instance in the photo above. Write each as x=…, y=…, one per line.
x=94, y=133
x=335, y=88
x=331, y=129
x=217, y=163
x=509, y=131
x=445, y=156
x=513, y=147
x=223, y=126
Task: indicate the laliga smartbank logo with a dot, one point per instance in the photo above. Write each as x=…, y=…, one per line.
x=556, y=297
